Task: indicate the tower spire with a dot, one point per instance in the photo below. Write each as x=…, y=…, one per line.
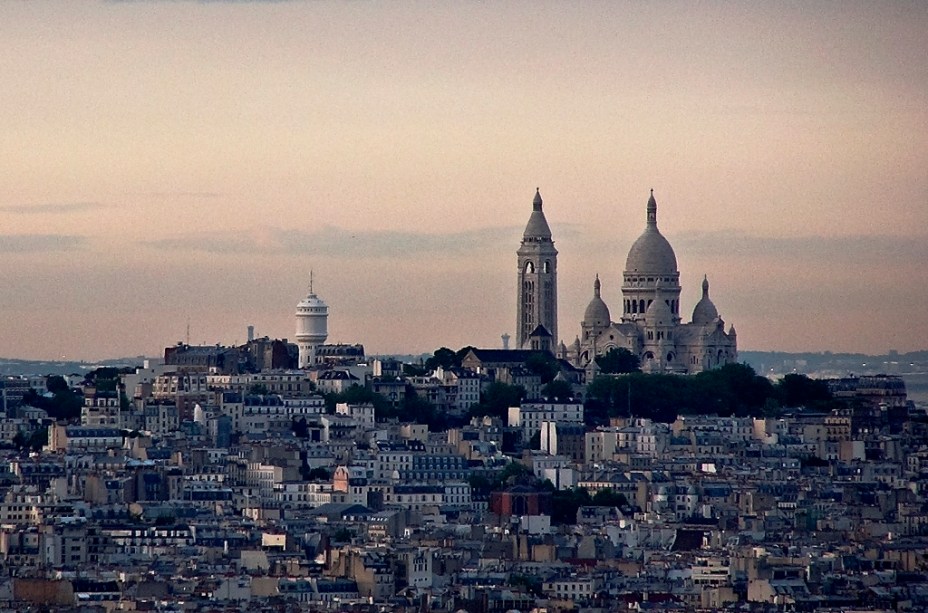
x=652, y=210
x=537, y=202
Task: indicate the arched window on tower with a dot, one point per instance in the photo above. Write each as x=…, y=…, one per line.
x=529, y=267
x=641, y=306
x=547, y=266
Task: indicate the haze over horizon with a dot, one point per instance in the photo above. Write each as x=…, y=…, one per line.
x=166, y=162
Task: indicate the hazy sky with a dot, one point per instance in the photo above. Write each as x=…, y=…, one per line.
x=175, y=161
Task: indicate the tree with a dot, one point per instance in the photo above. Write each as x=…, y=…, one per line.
x=420, y=411
x=800, y=391
x=462, y=353
x=413, y=370
x=38, y=439
x=565, y=503
x=300, y=428
x=444, y=358
x=258, y=389
x=535, y=441
x=733, y=389
x=342, y=535
x=618, y=360
x=356, y=394
x=530, y=583
x=544, y=365
x=558, y=391
x=496, y=400
x=106, y=378
x=608, y=498
x=56, y=384
x=516, y=473
x=21, y=440
x=64, y=403
x=318, y=474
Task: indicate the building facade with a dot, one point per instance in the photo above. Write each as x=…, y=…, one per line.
x=651, y=325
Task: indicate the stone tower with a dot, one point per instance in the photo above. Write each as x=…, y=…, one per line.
x=537, y=294
x=312, y=326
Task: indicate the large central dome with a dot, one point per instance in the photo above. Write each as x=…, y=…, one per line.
x=651, y=254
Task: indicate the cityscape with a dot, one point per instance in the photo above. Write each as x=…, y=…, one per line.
x=288, y=325
x=641, y=467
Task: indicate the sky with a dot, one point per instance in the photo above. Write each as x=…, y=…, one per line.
x=174, y=165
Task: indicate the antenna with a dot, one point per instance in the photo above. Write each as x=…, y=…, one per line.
x=188, y=330
x=310, y=280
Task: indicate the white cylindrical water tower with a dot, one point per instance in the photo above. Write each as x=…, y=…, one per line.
x=312, y=328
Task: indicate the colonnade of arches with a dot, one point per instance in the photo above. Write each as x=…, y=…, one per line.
x=632, y=306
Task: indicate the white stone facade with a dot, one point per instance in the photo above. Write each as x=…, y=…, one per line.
x=651, y=326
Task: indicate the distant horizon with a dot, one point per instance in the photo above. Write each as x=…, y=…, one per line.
x=429, y=352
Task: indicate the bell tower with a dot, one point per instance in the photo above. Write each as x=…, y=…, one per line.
x=536, y=303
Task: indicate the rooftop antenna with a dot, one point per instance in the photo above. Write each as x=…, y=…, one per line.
x=310, y=280
x=188, y=330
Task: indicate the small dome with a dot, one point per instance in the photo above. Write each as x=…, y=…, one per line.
x=658, y=313
x=311, y=301
x=651, y=253
x=597, y=313
x=705, y=311
x=537, y=226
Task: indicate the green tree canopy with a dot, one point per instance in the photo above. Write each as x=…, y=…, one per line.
x=496, y=400
x=559, y=391
x=443, y=357
x=608, y=498
x=618, y=360
x=64, y=402
x=544, y=365
x=357, y=394
x=565, y=503
x=318, y=474
x=516, y=473
x=734, y=389
x=56, y=384
x=800, y=391
x=414, y=370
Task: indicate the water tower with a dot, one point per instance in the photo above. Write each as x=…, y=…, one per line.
x=312, y=328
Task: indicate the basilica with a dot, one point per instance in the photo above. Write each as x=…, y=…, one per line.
x=650, y=325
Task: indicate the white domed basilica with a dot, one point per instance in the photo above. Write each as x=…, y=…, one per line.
x=650, y=325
